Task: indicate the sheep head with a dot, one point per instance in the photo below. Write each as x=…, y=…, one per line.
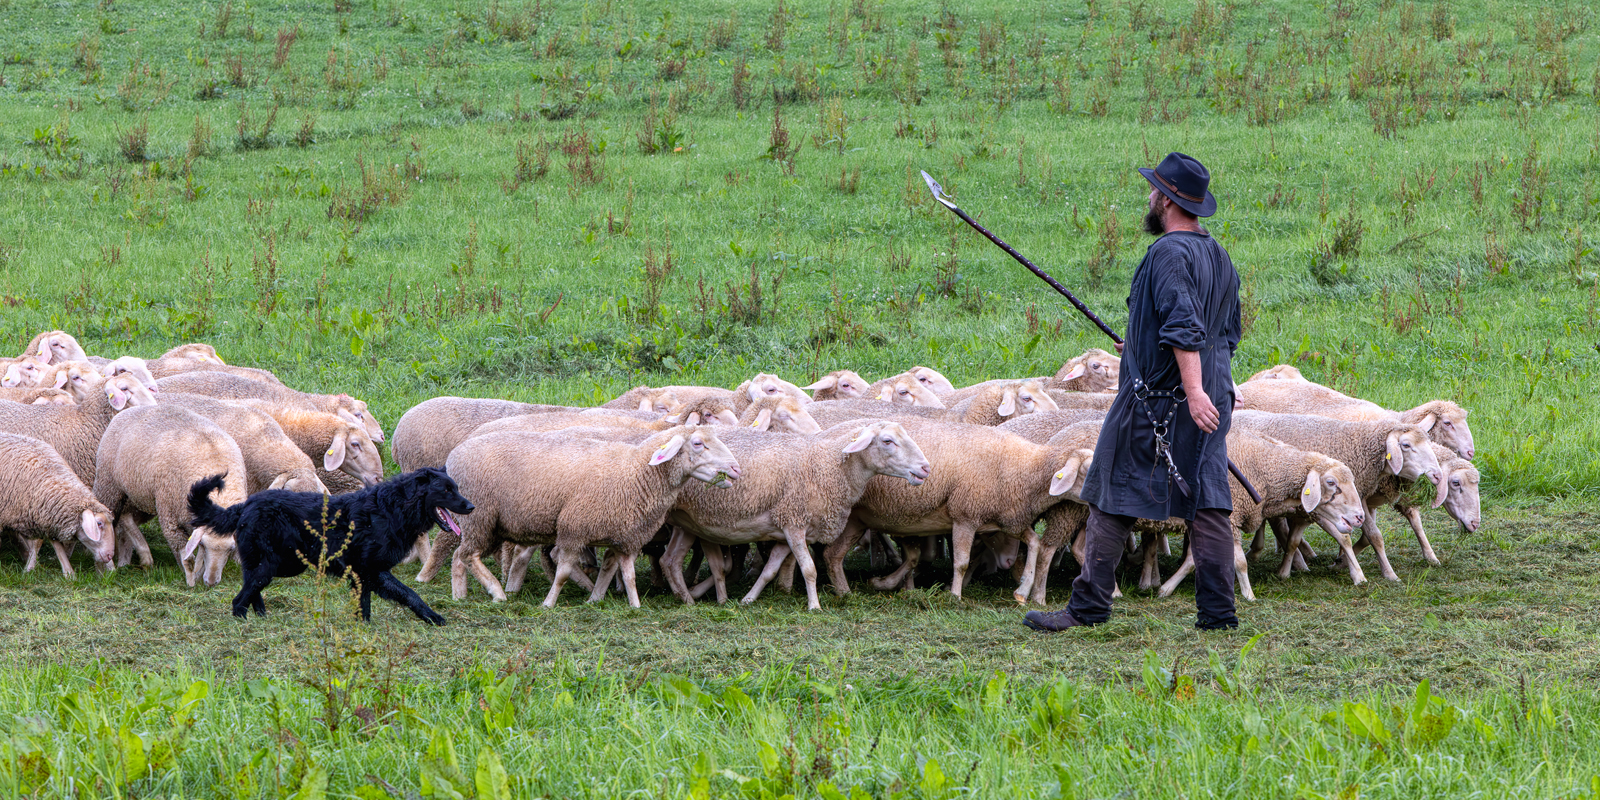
x=697, y=451
x=887, y=449
x=57, y=346
x=1445, y=423
x=22, y=372
x=839, y=385
x=767, y=385
x=1025, y=397
x=1281, y=372
x=132, y=365
x=1458, y=493
x=353, y=453
x=356, y=411
x=1407, y=453
x=780, y=412
x=1096, y=368
x=1330, y=495
x=124, y=391
x=931, y=378
x=97, y=532
x=1069, y=479
x=906, y=390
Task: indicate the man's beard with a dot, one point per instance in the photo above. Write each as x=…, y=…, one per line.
x=1153, y=223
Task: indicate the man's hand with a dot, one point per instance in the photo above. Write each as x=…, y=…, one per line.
x=1119, y=346
x=1203, y=411
x=1200, y=405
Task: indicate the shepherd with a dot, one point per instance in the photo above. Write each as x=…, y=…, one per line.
x=1163, y=449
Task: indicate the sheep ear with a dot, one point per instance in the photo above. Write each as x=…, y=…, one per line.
x=860, y=443
x=693, y=418
x=280, y=481
x=1311, y=496
x=189, y=546
x=886, y=394
x=1394, y=458
x=763, y=420
x=117, y=399
x=1008, y=404
x=334, y=458
x=44, y=351
x=1063, y=480
x=723, y=417
x=1442, y=491
x=665, y=452
x=1427, y=422
x=827, y=382
x=61, y=379
x=91, y=526
x=1076, y=372
x=646, y=406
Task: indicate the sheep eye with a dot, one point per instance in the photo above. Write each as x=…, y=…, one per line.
x=888, y=442
x=1456, y=483
x=1405, y=446
x=356, y=445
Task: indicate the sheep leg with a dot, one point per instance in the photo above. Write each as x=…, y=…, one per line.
x=602, y=582
x=930, y=548
x=567, y=564
x=1257, y=542
x=1357, y=577
x=902, y=577
x=30, y=549
x=1150, y=574
x=961, y=536
x=836, y=551
x=1291, y=549
x=130, y=542
x=516, y=567
x=1413, y=515
x=717, y=566
x=786, y=573
x=1037, y=592
x=468, y=558
x=63, y=551
x=1183, y=571
x=677, y=547
x=802, y=557
x=438, y=553
x=1166, y=548
x=1241, y=568
x=698, y=555
x=626, y=562
x=1370, y=527
x=775, y=560
x=1030, y=568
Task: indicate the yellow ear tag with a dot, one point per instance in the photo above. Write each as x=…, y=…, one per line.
x=330, y=452
x=755, y=424
x=1388, y=456
x=1308, y=491
x=1060, y=474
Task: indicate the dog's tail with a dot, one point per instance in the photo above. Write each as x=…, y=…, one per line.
x=206, y=512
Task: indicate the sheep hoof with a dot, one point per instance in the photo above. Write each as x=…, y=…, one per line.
x=1020, y=598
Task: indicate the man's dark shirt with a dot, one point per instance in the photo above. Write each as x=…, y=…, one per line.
x=1185, y=295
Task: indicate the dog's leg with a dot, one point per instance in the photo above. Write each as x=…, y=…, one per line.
x=390, y=588
x=250, y=593
x=366, y=602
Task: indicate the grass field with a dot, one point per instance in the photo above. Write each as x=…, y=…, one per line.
x=554, y=202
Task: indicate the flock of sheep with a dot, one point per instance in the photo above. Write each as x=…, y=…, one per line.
x=905, y=466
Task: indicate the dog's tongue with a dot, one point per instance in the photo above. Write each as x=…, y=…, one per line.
x=447, y=521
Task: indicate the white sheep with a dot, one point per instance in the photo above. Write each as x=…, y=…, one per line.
x=272, y=460
x=547, y=488
x=799, y=492
x=1445, y=421
x=906, y=390
x=429, y=430
x=74, y=431
x=1094, y=370
x=840, y=384
x=40, y=498
x=148, y=459
x=235, y=387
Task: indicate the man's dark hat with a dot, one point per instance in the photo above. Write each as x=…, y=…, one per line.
x=1184, y=181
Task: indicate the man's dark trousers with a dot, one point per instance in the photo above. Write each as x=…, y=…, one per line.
x=1211, y=541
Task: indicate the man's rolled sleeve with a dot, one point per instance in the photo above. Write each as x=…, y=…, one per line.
x=1181, y=328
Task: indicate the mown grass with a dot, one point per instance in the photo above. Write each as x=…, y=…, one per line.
x=459, y=198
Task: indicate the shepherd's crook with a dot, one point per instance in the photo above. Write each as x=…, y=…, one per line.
x=944, y=200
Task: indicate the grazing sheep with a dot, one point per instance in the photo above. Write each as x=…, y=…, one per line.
x=983, y=480
x=1373, y=450
x=1040, y=426
x=272, y=460
x=195, y=351
x=135, y=366
x=779, y=412
x=429, y=430
x=224, y=386
x=547, y=488
x=937, y=383
x=906, y=390
x=1301, y=485
x=148, y=459
x=22, y=373
x=53, y=346
x=75, y=430
x=1458, y=494
x=78, y=377
x=800, y=493
x=1305, y=397
x=1002, y=400
x=708, y=410
x=840, y=384
x=439, y=550
x=40, y=498
x=1281, y=372
x=1093, y=371
x=661, y=400
x=342, y=445
x=38, y=396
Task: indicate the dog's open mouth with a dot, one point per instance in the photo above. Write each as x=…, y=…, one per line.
x=446, y=521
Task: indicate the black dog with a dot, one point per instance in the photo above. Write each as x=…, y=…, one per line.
x=375, y=528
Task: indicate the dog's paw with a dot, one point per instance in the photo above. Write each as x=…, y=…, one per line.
x=432, y=618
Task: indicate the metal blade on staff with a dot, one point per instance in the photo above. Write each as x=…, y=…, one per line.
x=944, y=200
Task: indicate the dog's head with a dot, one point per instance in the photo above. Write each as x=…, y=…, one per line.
x=440, y=495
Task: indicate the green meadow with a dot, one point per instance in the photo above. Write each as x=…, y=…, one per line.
x=555, y=201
